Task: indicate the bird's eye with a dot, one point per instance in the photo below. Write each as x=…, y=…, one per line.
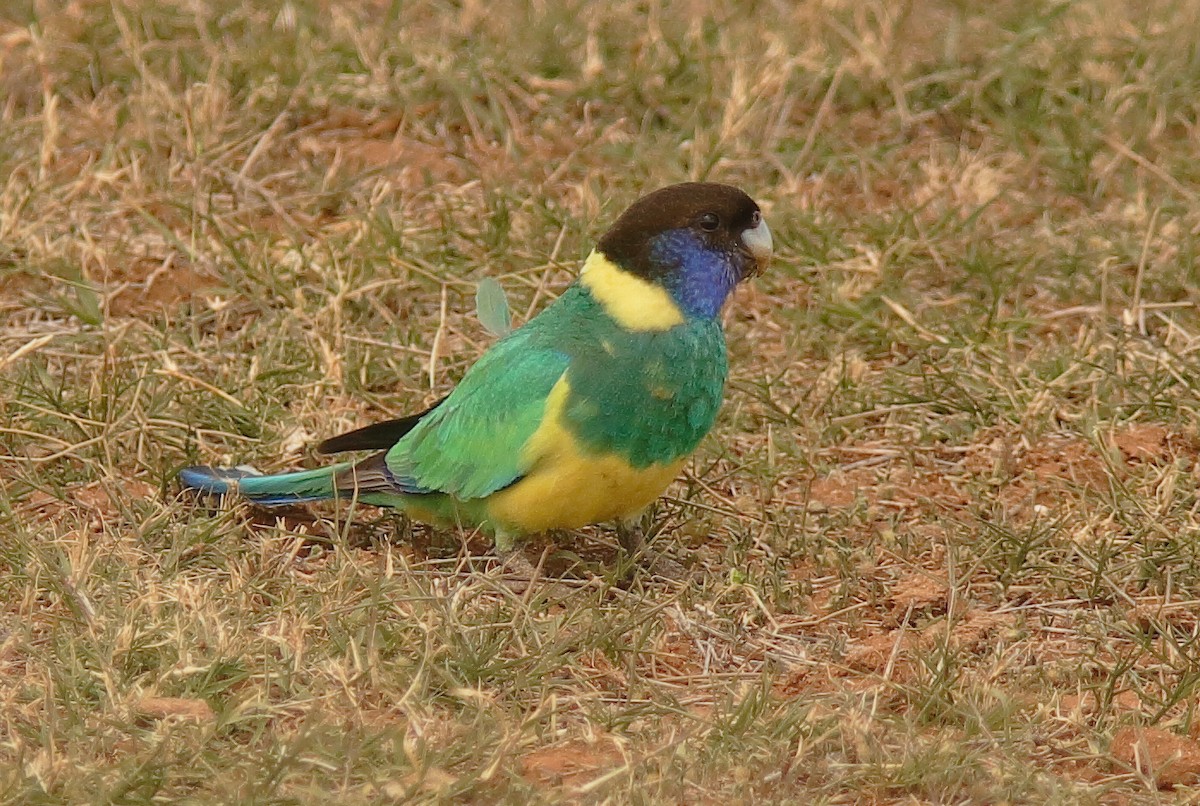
x=709, y=222
x=755, y=219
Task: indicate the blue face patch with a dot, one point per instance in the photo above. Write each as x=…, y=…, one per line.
x=698, y=277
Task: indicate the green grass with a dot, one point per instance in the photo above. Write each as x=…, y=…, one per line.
x=946, y=529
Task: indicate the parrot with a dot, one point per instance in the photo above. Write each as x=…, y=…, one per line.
x=584, y=414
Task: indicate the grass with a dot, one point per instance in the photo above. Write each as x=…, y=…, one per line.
x=946, y=529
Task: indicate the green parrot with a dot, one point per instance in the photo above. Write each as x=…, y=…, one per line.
x=584, y=414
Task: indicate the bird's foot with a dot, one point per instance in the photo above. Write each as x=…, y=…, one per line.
x=632, y=537
x=520, y=575
x=663, y=566
x=515, y=563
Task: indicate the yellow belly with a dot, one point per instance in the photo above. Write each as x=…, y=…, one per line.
x=575, y=493
x=566, y=487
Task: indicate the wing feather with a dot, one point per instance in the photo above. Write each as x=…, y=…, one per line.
x=472, y=444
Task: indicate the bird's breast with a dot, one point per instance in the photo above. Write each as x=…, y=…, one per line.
x=649, y=397
x=569, y=485
x=618, y=425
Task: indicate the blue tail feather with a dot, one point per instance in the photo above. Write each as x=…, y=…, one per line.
x=276, y=490
x=213, y=480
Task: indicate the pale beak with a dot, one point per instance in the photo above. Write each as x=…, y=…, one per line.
x=758, y=241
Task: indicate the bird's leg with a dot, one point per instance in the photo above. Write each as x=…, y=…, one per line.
x=631, y=534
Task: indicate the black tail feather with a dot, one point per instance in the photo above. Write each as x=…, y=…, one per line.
x=375, y=437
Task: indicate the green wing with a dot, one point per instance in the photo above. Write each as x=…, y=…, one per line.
x=471, y=445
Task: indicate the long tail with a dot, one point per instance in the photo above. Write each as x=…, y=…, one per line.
x=269, y=491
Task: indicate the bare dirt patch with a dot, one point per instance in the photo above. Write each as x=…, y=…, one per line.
x=147, y=285
x=352, y=141
x=1090, y=702
x=1162, y=757
x=1066, y=459
x=572, y=764
x=917, y=592
x=1153, y=444
x=185, y=709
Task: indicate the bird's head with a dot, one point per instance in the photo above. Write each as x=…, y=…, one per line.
x=695, y=240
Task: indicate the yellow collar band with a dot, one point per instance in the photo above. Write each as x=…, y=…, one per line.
x=635, y=304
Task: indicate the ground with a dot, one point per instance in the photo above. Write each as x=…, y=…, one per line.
x=944, y=537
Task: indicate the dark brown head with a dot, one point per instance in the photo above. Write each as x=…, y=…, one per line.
x=696, y=239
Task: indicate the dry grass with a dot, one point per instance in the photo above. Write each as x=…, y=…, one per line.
x=947, y=527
